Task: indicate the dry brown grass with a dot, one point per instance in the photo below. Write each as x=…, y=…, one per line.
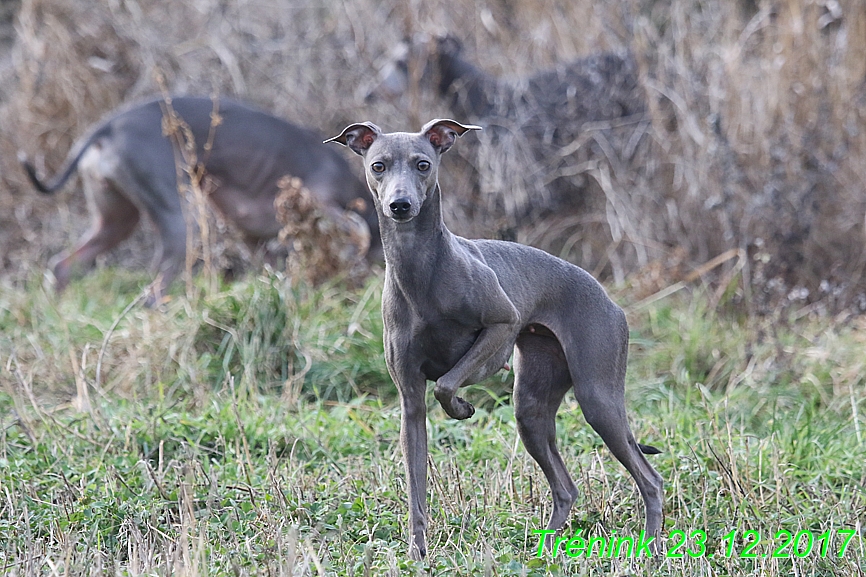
x=325, y=242
x=767, y=147
x=756, y=141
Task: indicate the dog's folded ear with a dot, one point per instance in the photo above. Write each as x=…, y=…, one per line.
x=442, y=132
x=359, y=137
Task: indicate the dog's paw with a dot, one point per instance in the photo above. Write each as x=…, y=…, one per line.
x=418, y=547
x=454, y=406
x=417, y=554
x=461, y=409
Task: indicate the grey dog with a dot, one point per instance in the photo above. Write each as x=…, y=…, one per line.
x=128, y=165
x=454, y=310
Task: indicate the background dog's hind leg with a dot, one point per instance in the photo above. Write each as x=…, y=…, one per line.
x=114, y=219
x=541, y=381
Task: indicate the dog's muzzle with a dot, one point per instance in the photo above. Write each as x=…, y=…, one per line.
x=400, y=209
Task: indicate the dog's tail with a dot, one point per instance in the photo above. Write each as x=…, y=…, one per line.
x=71, y=163
x=648, y=449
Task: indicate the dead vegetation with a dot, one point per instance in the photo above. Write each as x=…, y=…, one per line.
x=754, y=140
x=325, y=242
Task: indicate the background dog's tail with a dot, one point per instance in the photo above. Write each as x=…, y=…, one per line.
x=648, y=449
x=48, y=188
x=71, y=162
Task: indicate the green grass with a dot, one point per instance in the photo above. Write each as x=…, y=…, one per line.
x=254, y=431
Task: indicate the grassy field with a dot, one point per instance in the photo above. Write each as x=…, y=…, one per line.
x=253, y=431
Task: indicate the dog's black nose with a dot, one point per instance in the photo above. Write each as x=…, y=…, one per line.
x=400, y=207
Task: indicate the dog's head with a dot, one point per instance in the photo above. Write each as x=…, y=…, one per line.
x=417, y=60
x=402, y=168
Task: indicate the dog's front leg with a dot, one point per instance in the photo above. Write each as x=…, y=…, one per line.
x=490, y=341
x=413, y=441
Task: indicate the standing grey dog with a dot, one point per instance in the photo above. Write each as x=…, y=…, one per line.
x=455, y=309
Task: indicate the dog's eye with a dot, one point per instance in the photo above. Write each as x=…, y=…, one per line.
x=423, y=165
x=378, y=167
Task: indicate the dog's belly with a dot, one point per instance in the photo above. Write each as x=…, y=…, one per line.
x=444, y=344
x=254, y=215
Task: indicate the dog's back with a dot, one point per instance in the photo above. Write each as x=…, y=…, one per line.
x=518, y=264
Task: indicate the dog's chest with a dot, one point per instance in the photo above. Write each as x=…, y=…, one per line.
x=437, y=337
x=435, y=325
x=441, y=343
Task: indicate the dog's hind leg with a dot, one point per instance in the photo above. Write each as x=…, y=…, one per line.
x=541, y=380
x=114, y=219
x=598, y=372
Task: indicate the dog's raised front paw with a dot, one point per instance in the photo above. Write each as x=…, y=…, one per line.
x=460, y=409
x=454, y=406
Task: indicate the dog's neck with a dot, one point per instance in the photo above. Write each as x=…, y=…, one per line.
x=413, y=248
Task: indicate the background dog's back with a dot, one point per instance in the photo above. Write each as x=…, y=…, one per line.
x=129, y=164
